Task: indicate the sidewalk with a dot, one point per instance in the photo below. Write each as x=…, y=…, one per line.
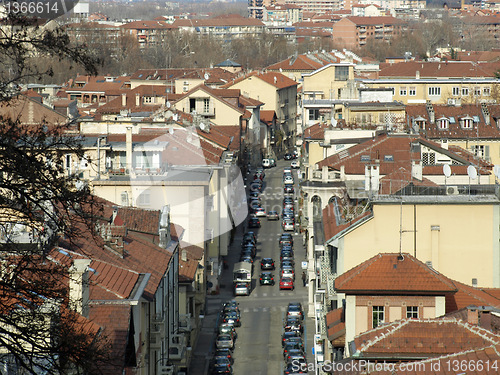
x=205, y=346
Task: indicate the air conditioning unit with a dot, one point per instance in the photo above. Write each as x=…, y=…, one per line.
x=452, y=101
x=166, y=370
x=452, y=190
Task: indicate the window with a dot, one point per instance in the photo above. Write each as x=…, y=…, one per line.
x=486, y=91
x=144, y=199
x=148, y=99
x=465, y=91
x=412, y=312
x=477, y=91
x=455, y=91
x=466, y=123
x=412, y=91
x=206, y=105
x=402, y=91
x=482, y=151
x=428, y=158
x=388, y=158
x=442, y=123
x=365, y=157
x=378, y=316
x=313, y=114
x=434, y=91
x=341, y=73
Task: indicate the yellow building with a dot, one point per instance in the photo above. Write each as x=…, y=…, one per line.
x=455, y=234
x=453, y=82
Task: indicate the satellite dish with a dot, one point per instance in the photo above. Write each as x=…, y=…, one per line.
x=171, y=130
x=496, y=170
x=281, y=70
x=207, y=76
x=168, y=104
x=175, y=117
x=202, y=126
x=446, y=170
x=472, y=172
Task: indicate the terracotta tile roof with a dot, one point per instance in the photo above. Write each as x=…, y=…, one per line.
x=301, y=63
x=450, y=69
x=267, y=116
x=480, y=129
x=181, y=148
x=335, y=223
x=249, y=102
x=316, y=131
x=268, y=77
x=100, y=84
x=216, y=136
x=233, y=132
x=424, y=338
x=369, y=21
x=489, y=356
x=140, y=220
x=486, y=56
x=194, y=252
x=398, y=150
x=115, y=320
x=335, y=323
x=187, y=269
x=399, y=179
x=468, y=295
x=148, y=25
x=386, y=274
x=226, y=21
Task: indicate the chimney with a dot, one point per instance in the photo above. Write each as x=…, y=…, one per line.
x=164, y=231
x=472, y=316
x=79, y=286
x=184, y=255
x=416, y=169
x=124, y=99
x=324, y=173
x=485, y=320
x=342, y=172
x=129, y=149
x=417, y=75
x=137, y=99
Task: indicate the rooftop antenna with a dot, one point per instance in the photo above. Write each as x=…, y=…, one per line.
x=472, y=173
x=446, y=172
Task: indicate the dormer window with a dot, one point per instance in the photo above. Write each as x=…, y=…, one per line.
x=466, y=122
x=420, y=122
x=443, y=123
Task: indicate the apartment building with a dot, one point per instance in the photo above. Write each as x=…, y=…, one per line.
x=353, y=32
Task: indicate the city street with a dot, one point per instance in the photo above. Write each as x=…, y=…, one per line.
x=258, y=347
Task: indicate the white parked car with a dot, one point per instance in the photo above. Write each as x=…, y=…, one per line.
x=295, y=164
x=288, y=179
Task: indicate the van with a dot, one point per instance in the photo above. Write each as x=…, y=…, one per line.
x=266, y=163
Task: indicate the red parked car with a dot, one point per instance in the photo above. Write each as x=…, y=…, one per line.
x=286, y=283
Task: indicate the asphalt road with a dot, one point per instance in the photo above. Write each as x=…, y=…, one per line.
x=258, y=347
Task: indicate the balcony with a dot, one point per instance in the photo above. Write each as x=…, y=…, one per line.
x=185, y=323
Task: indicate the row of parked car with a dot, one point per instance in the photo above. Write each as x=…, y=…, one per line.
x=292, y=340
x=222, y=360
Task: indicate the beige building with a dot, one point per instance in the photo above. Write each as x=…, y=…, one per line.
x=279, y=94
x=451, y=83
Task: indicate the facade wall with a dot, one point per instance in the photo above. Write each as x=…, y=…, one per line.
x=323, y=81
x=452, y=236
x=187, y=203
x=419, y=91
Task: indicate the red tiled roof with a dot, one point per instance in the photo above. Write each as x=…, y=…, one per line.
x=143, y=25
x=468, y=295
x=450, y=69
x=424, y=338
x=226, y=21
x=381, y=20
x=399, y=179
x=333, y=225
x=268, y=77
x=115, y=320
x=454, y=131
x=193, y=251
x=399, y=148
x=386, y=273
x=267, y=116
x=233, y=132
x=316, y=131
x=140, y=220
